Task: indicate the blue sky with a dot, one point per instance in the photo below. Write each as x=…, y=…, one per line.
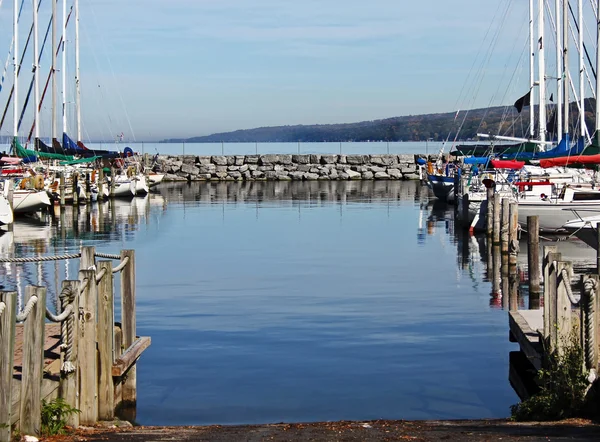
x=155, y=69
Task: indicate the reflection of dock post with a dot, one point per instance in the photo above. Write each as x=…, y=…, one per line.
x=75, y=178
x=465, y=209
x=550, y=257
x=533, y=261
x=489, y=227
x=112, y=182
x=496, y=275
x=497, y=214
x=504, y=225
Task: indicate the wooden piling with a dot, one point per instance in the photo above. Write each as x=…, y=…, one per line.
x=112, y=181
x=61, y=189
x=589, y=310
x=88, y=373
x=7, y=342
x=497, y=218
x=128, y=321
x=504, y=228
x=513, y=232
x=68, y=387
x=117, y=352
x=564, y=314
x=30, y=412
x=101, y=183
x=551, y=256
x=88, y=258
x=490, y=212
x=106, y=321
x=533, y=260
x=75, y=179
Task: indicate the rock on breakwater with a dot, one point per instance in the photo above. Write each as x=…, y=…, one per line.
x=288, y=167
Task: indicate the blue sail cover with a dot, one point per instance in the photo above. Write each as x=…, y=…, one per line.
x=476, y=160
x=71, y=146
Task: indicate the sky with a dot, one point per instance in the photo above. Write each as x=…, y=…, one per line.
x=157, y=69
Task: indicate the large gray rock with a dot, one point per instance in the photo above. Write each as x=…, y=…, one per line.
x=268, y=160
x=311, y=176
x=190, y=169
x=239, y=160
x=297, y=176
x=394, y=173
x=383, y=160
x=353, y=175
x=301, y=159
x=367, y=175
x=243, y=168
x=329, y=159
x=285, y=159
x=315, y=158
x=203, y=160
x=357, y=159
x=251, y=159
x=382, y=176
x=219, y=160
x=235, y=174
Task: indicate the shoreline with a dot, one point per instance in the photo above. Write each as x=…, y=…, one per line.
x=373, y=430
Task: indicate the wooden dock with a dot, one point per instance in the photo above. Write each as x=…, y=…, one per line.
x=84, y=357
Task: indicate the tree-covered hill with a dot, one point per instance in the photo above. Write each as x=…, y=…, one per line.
x=438, y=127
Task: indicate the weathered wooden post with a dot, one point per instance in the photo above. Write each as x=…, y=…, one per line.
x=598, y=249
x=564, y=315
x=551, y=256
x=8, y=313
x=68, y=388
x=88, y=258
x=513, y=232
x=106, y=323
x=533, y=260
x=117, y=352
x=504, y=225
x=61, y=189
x=490, y=212
x=30, y=411
x=497, y=217
x=88, y=369
x=589, y=304
x=75, y=179
x=128, y=321
x=112, y=181
x=101, y=183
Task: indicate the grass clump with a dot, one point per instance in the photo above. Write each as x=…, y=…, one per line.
x=54, y=416
x=563, y=385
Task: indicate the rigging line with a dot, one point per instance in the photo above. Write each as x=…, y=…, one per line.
x=585, y=71
x=60, y=42
x=114, y=78
x=10, y=49
x=12, y=90
x=31, y=83
x=587, y=55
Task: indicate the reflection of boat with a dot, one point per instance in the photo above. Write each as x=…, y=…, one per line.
x=585, y=228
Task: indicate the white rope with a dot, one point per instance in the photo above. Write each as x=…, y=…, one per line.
x=2, y=307
x=23, y=315
x=59, y=318
x=42, y=258
x=121, y=265
x=83, y=285
x=566, y=279
x=589, y=289
x=100, y=275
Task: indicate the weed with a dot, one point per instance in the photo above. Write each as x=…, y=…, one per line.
x=54, y=416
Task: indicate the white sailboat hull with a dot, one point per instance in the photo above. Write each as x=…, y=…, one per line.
x=30, y=201
x=6, y=213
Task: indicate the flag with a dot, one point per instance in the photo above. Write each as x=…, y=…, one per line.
x=540, y=42
x=552, y=98
x=523, y=101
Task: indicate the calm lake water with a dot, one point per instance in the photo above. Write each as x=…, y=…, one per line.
x=295, y=301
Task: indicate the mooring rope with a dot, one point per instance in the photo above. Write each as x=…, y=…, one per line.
x=58, y=257
x=108, y=256
x=566, y=279
x=83, y=285
x=67, y=328
x=61, y=317
x=28, y=307
x=589, y=289
x=100, y=275
x=121, y=265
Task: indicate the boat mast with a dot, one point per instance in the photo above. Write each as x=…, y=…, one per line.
x=566, y=72
x=559, y=73
x=542, y=72
x=36, y=76
x=64, y=68
x=531, y=70
x=581, y=68
x=597, y=137
x=54, y=87
x=16, y=69
x=77, y=85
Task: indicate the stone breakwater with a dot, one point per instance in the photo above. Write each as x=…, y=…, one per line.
x=288, y=167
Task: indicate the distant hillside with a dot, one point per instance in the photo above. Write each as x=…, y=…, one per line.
x=496, y=120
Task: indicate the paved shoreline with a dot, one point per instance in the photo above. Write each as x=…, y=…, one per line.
x=381, y=430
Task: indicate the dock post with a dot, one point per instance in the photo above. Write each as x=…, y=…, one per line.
x=564, y=315
x=551, y=256
x=61, y=189
x=504, y=225
x=75, y=179
x=88, y=258
x=533, y=261
x=589, y=320
x=112, y=181
x=7, y=351
x=490, y=212
x=106, y=323
x=465, y=209
x=497, y=217
x=513, y=232
x=128, y=321
x=88, y=372
x=68, y=387
x=30, y=410
x=101, y=183
x=598, y=250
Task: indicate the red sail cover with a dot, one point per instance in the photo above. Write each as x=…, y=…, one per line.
x=507, y=164
x=570, y=160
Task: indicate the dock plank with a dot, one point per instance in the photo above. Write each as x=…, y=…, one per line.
x=524, y=326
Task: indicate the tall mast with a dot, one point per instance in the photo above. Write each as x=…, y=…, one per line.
x=16, y=69
x=64, y=68
x=597, y=71
x=542, y=71
x=566, y=72
x=77, y=88
x=581, y=68
x=36, y=70
x=54, y=87
x=531, y=70
x=559, y=73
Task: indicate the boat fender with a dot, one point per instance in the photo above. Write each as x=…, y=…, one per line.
x=23, y=184
x=130, y=171
x=429, y=167
x=39, y=182
x=94, y=176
